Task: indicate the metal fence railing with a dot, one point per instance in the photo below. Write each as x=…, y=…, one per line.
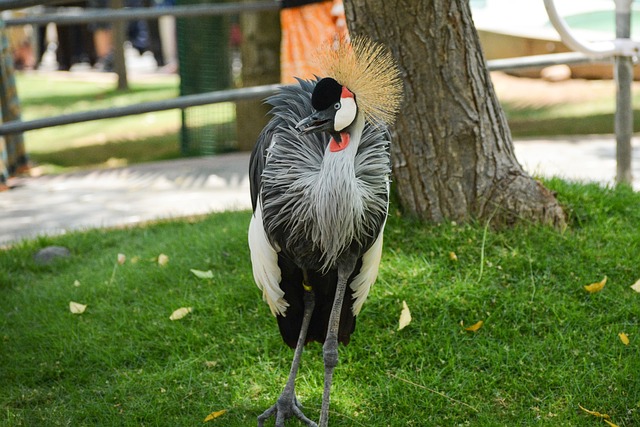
x=181, y=102
x=252, y=93
x=74, y=16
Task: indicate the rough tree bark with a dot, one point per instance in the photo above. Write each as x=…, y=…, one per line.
x=453, y=154
x=260, y=65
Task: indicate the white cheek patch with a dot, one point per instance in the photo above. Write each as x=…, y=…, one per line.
x=346, y=114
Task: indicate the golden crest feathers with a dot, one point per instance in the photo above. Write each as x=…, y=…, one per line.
x=368, y=70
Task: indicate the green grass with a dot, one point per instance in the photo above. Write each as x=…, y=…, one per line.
x=546, y=347
x=133, y=139
x=568, y=118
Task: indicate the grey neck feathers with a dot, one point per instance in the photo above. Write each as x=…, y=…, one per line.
x=338, y=207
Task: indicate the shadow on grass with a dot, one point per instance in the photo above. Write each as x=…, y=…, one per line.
x=69, y=100
x=163, y=147
x=203, y=140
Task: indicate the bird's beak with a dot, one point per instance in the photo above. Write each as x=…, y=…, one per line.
x=317, y=122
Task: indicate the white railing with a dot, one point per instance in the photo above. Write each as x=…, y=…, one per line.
x=625, y=51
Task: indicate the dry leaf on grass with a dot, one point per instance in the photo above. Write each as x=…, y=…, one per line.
x=624, y=338
x=475, y=327
x=180, y=313
x=163, y=260
x=636, y=286
x=596, y=287
x=453, y=256
x=76, y=307
x=214, y=415
x=202, y=274
x=604, y=417
x=594, y=413
x=405, y=316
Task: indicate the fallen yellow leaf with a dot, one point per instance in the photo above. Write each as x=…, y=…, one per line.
x=163, y=259
x=202, y=274
x=453, y=256
x=624, y=338
x=214, y=415
x=76, y=307
x=610, y=423
x=594, y=413
x=180, y=313
x=636, y=286
x=475, y=326
x=596, y=287
x=405, y=316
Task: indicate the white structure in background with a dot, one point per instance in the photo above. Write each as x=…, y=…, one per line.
x=625, y=51
x=531, y=19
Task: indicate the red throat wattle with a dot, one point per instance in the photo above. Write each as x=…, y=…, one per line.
x=335, y=146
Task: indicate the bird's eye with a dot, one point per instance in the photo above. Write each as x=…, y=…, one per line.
x=337, y=106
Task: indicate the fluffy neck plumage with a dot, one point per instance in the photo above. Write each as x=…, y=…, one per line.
x=338, y=205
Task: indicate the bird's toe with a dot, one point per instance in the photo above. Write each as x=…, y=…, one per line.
x=286, y=407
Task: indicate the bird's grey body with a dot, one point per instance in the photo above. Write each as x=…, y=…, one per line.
x=316, y=232
x=316, y=206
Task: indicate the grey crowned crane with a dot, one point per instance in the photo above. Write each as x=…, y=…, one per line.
x=320, y=174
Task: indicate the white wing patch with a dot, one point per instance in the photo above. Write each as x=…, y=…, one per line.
x=264, y=260
x=362, y=283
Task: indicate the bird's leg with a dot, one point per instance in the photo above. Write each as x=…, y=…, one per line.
x=287, y=404
x=330, y=347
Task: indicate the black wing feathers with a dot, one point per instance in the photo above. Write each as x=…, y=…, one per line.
x=324, y=287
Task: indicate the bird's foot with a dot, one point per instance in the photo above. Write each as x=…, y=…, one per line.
x=286, y=407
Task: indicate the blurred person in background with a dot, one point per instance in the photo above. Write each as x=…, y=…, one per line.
x=168, y=39
x=137, y=34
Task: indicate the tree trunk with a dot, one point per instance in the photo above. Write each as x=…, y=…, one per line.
x=260, y=66
x=452, y=152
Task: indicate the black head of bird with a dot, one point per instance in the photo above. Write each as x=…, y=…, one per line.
x=319, y=177
x=336, y=110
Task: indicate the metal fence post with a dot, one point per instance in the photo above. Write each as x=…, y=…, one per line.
x=119, y=37
x=624, y=111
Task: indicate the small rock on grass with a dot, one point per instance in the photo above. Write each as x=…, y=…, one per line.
x=51, y=253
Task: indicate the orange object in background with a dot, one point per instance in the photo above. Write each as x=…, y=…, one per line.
x=306, y=26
